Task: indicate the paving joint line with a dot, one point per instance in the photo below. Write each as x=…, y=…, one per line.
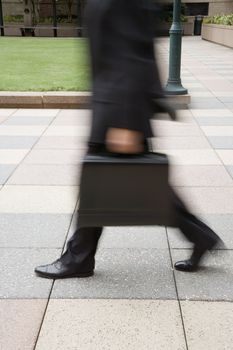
x=177, y=294
x=53, y=283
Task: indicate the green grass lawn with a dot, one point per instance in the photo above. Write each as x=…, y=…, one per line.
x=44, y=64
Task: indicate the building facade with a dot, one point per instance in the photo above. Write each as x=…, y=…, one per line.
x=208, y=8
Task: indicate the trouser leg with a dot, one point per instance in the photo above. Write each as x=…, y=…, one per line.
x=193, y=228
x=81, y=248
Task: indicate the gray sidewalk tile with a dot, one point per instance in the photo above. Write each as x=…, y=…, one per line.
x=166, y=128
x=218, y=130
x=226, y=156
x=72, y=130
x=203, y=105
x=192, y=156
x=18, y=280
x=221, y=142
x=200, y=175
x=224, y=112
x=12, y=156
x=5, y=171
x=208, y=325
x=6, y=112
x=134, y=237
x=81, y=114
x=22, y=130
x=17, y=142
x=46, y=175
x=112, y=324
x=31, y=112
x=37, y=156
x=213, y=282
x=3, y=118
x=28, y=120
x=20, y=322
x=38, y=199
x=61, y=142
x=180, y=142
x=124, y=274
x=230, y=170
x=33, y=230
x=221, y=224
x=214, y=120
x=208, y=200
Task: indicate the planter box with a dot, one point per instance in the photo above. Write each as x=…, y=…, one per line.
x=218, y=33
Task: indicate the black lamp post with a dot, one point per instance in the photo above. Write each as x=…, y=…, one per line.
x=174, y=86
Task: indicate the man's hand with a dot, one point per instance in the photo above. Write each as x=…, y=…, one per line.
x=124, y=141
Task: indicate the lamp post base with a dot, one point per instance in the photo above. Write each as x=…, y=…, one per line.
x=173, y=88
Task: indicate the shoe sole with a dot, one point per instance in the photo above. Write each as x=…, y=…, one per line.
x=75, y=275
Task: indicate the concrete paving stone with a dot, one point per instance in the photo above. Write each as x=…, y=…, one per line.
x=214, y=121
x=38, y=199
x=200, y=175
x=2, y=119
x=33, y=230
x=14, y=120
x=6, y=112
x=76, y=113
x=37, y=156
x=18, y=280
x=226, y=99
x=230, y=170
x=206, y=105
x=208, y=325
x=21, y=130
x=166, y=128
x=5, y=171
x=12, y=156
x=61, y=142
x=208, y=200
x=223, y=94
x=46, y=175
x=221, y=142
x=134, y=237
x=180, y=142
x=226, y=155
x=72, y=120
x=73, y=130
x=212, y=282
x=229, y=105
x=220, y=223
x=124, y=274
x=36, y=112
x=224, y=112
x=201, y=94
x=192, y=157
x=112, y=324
x=17, y=142
x=218, y=130
x=20, y=322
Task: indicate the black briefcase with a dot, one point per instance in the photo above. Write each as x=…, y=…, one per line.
x=120, y=191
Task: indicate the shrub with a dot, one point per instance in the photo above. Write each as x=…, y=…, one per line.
x=226, y=20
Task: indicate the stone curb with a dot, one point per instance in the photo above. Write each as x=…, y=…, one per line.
x=61, y=99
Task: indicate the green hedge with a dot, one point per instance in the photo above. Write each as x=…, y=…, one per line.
x=226, y=20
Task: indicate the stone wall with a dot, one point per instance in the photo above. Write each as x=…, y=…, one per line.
x=219, y=34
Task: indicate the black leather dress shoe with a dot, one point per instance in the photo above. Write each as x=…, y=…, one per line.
x=57, y=270
x=192, y=264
